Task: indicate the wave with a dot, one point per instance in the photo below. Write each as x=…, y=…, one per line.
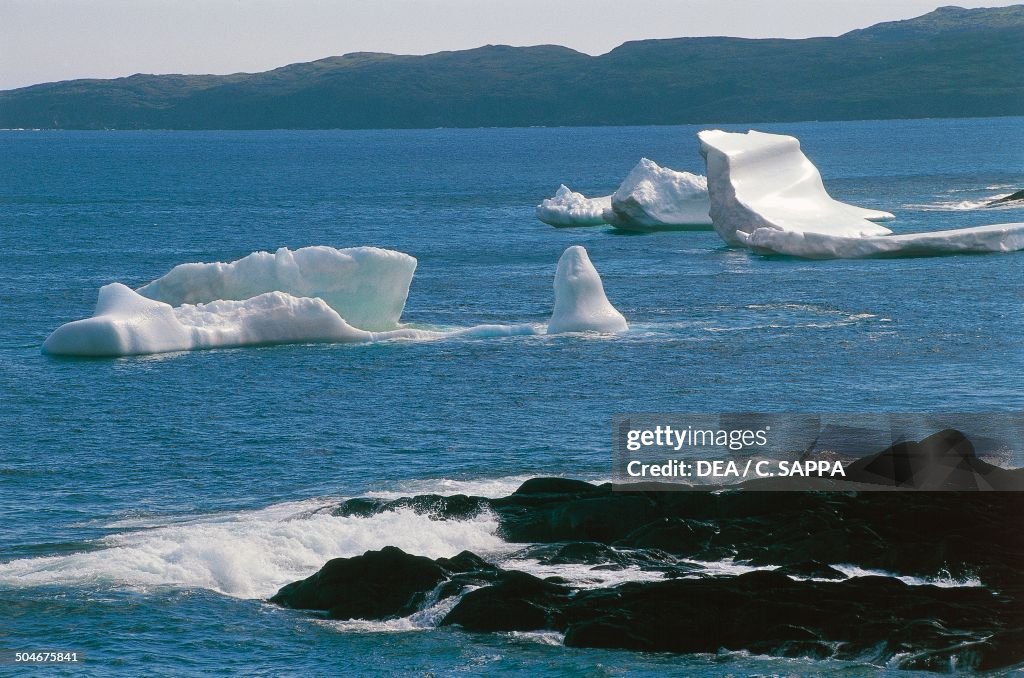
x=964, y=205
x=944, y=580
x=249, y=554
x=252, y=553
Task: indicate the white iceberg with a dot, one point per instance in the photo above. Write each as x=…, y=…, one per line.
x=370, y=283
x=127, y=323
x=979, y=239
x=580, y=301
x=367, y=286
x=766, y=195
x=569, y=208
x=654, y=198
x=764, y=181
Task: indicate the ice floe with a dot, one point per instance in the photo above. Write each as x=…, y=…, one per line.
x=569, y=208
x=308, y=295
x=580, y=301
x=976, y=240
x=758, y=180
x=766, y=195
x=367, y=286
x=653, y=198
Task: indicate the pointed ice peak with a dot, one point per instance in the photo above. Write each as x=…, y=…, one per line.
x=580, y=301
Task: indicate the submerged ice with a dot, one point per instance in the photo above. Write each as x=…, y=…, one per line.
x=569, y=208
x=768, y=196
x=657, y=198
x=309, y=295
x=975, y=240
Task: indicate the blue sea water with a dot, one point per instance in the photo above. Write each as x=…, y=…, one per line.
x=148, y=504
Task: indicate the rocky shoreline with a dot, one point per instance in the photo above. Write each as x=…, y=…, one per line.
x=940, y=585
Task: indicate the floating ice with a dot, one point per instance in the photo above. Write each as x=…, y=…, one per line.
x=766, y=195
x=979, y=239
x=367, y=286
x=653, y=198
x=569, y=208
x=289, y=296
x=126, y=322
x=580, y=301
x=764, y=181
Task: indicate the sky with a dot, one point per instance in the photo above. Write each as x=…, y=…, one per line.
x=48, y=40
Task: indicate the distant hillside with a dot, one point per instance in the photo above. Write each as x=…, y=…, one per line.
x=952, y=62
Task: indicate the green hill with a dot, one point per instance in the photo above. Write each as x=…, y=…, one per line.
x=952, y=62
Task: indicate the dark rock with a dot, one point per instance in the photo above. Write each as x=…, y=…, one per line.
x=467, y=562
x=555, y=486
x=376, y=585
x=360, y=506
x=1002, y=650
x=598, y=516
x=943, y=461
x=766, y=612
x=519, y=602
x=453, y=507
x=439, y=507
x=812, y=569
x=1013, y=197
x=581, y=552
x=674, y=535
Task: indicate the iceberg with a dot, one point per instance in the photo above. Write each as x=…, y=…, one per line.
x=979, y=239
x=569, y=208
x=764, y=181
x=132, y=322
x=654, y=198
x=127, y=323
x=580, y=301
x=367, y=286
x=767, y=196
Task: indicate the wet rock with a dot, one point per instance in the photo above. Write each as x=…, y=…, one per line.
x=811, y=569
x=674, y=535
x=518, y=602
x=943, y=461
x=1013, y=197
x=376, y=585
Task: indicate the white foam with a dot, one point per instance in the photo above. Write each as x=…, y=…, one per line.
x=251, y=554
x=569, y=208
x=550, y=638
x=580, y=301
x=764, y=181
x=945, y=581
x=728, y=567
x=653, y=198
x=581, y=575
x=491, y=488
x=967, y=205
x=429, y=616
x=976, y=240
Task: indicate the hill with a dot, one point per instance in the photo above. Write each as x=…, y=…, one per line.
x=952, y=62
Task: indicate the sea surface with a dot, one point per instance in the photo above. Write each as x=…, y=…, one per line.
x=149, y=504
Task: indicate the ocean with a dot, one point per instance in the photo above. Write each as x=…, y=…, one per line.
x=151, y=504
